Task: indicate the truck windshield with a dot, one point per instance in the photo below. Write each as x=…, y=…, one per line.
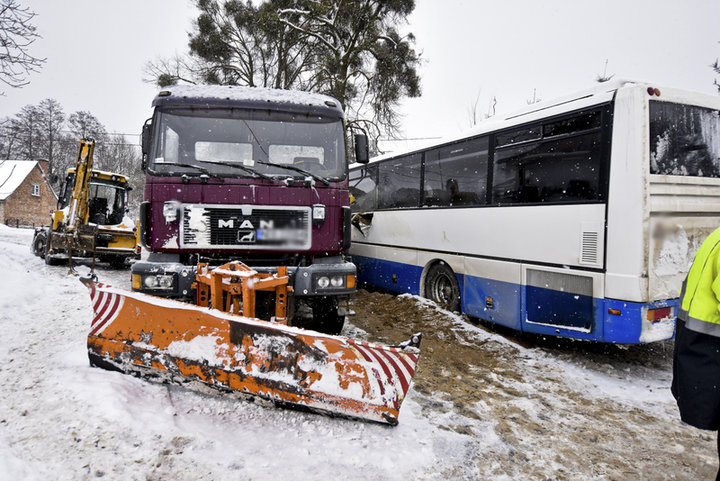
x=684, y=140
x=244, y=143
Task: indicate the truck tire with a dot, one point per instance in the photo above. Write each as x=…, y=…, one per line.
x=53, y=261
x=49, y=259
x=116, y=261
x=39, y=244
x=325, y=318
x=441, y=286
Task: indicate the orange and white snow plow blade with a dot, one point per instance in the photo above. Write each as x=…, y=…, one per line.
x=138, y=333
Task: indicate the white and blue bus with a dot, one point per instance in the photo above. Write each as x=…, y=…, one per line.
x=578, y=217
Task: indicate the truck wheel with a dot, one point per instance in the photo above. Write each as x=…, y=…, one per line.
x=116, y=262
x=442, y=286
x=39, y=244
x=49, y=259
x=325, y=317
x=53, y=261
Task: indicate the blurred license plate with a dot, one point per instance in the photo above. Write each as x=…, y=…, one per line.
x=280, y=235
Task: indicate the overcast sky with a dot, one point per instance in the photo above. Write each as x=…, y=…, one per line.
x=471, y=50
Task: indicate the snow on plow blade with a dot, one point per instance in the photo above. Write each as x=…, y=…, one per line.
x=142, y=334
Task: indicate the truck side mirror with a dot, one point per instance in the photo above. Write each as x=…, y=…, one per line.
x=145, y=141
x=362, y=152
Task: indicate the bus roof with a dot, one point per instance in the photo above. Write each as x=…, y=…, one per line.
x=599, y=93
x=218, y=96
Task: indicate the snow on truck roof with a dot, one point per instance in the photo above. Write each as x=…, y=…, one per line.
x=247, y=97
x=12, y=174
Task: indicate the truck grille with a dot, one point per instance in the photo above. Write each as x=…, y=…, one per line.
x=245, y=227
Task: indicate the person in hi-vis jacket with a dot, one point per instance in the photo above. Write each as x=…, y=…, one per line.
x=696, y=357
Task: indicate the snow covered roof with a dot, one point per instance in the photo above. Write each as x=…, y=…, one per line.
x=247, y=97
x=597, y=93
x=12, y=174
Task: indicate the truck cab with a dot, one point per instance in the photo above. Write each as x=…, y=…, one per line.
x=249, y=174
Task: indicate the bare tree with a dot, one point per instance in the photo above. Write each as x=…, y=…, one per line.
x=171, y=71
x=25, y=127
x=51, y=119
x=17, y=33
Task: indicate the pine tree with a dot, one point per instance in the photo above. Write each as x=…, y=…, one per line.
x=348, y=49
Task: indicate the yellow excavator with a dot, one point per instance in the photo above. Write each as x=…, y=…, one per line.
x=90, y=220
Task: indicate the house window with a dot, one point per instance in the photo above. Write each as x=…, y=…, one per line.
x=36, y=190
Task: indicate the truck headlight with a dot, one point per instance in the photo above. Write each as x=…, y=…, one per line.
x=170, y=211
x=318, y=213
x=330, y=282
x=164, y=282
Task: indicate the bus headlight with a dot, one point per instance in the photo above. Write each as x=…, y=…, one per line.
x=323, y=282
x=337, y=281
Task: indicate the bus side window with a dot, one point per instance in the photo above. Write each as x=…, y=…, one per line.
x=564, y=166
x=456, y=174
x=363, y=189
x=399, y=182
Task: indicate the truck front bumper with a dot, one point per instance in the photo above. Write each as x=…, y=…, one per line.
x=327, y=276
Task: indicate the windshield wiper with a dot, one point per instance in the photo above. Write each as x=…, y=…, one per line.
x=296, y=169
x=247, y=169
x=282, y=166
x=202, y=170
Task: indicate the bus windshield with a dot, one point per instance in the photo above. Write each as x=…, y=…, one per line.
x=243, y=143
x=684, y=140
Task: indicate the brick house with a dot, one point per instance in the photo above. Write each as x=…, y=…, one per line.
x=26, y=197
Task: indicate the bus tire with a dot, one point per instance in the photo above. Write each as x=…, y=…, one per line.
x=441, y=286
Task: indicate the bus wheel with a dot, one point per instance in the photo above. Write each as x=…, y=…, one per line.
x=442, y=286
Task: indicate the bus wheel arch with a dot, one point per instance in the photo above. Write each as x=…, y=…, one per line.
x=439, y=283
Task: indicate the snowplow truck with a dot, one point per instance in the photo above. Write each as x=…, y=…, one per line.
x=255, y=175
x=90, y=219
x=246, y=220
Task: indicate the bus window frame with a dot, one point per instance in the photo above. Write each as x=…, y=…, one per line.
x=605, y=129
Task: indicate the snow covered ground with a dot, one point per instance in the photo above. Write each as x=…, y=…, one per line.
x=483, y=406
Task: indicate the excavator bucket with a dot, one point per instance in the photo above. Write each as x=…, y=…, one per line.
x=179, y=342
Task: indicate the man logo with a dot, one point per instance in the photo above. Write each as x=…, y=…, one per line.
x=230, y=224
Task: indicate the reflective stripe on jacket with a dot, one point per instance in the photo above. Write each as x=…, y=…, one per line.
x=700, y=296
